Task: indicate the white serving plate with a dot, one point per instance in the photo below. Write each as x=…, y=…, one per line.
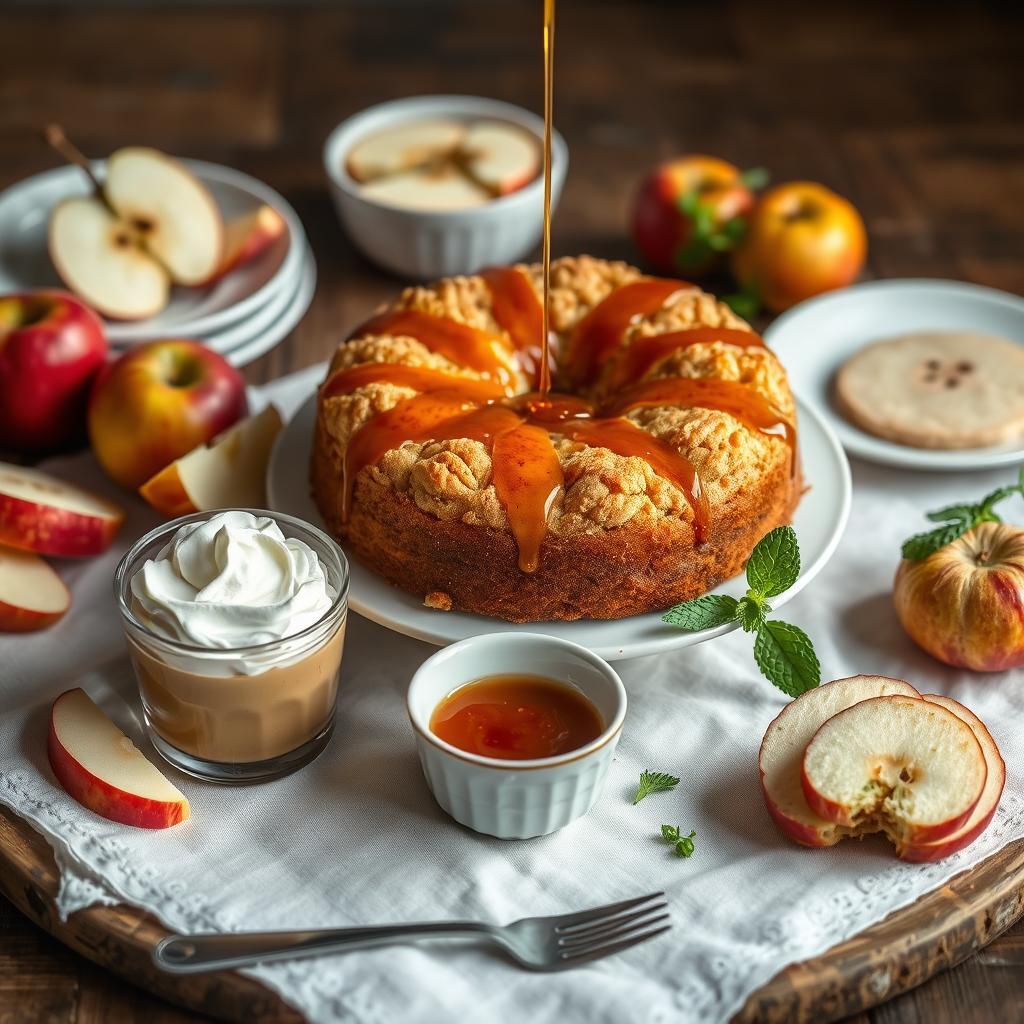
x=25, y=262
x=819, y=523
x=814, y=338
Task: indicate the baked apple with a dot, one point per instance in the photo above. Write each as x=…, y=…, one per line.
x=962, y=604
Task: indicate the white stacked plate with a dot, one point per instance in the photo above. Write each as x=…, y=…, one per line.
x=242, y=316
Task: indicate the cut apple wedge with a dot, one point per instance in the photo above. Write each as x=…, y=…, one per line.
x=100, y=258
x=171, y=209
x=248, y=236
x=782, y=750
x=32, y=595
x=404, y=147
x=986, y=806
x=229, y=472
x=501, y=157
x=103, y=770
x=40, y=513
x=897, y=764
x=432, y=189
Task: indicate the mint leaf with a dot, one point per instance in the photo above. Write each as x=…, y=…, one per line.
x=670, y=833
x=684, y=846
x=921, y=545
x=751, y=612
x=785, y=655
x=965, y=512
x=702, y=612
x=654, y=782
x=745, y=303
x=755, y=178
x=774, y=565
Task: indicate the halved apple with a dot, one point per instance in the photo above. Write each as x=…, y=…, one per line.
x=899, y=764
x=428, y=188
x=229, y=472
x=782, y=750
x=403, y=147
x=500, y=156
x=32, y=595
x=100, y=258
x=103, y=770
x=986, y=806
x=40, y=513
x=247, y=236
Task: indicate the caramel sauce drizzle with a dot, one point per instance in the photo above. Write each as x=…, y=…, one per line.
x=419, y=378
x=517, y=309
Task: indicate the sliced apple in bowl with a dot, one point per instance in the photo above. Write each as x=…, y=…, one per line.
x=40, y=513
x=32, y=595
x=898, y=764
x=104, y=771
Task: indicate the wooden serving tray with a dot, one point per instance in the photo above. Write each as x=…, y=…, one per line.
x=905, y=949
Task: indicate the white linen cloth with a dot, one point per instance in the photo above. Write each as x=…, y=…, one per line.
x=355, y=838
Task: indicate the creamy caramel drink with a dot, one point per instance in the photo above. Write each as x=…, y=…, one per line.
x=235, y=623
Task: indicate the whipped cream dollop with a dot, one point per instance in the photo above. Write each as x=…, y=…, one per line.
x=233, y=580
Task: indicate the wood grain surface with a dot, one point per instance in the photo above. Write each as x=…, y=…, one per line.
x=912, y=110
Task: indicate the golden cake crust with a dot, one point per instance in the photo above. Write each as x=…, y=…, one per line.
x=620, y=538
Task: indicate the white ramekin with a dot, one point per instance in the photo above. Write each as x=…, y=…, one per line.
x=515, y=799
x=428, y=244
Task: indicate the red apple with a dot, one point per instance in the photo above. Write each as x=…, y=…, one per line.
x=986, y=806
x=103, y=770
x=801, y=239
x=782, y=750
x=688, y=212
x=964, y=604
x=40, y=513
x=898, y=764
x=32, y=595
x=158, y=402
x=51, y=346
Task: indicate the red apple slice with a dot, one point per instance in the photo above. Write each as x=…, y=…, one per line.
x=32, y=595
x=103, y=770
x=898, y=764
x=229, y=472
x=500, y=156
x=785, y=740
x=433, y=189
x=100, y=259
x=246, y=237
x=404, y=147
x=40, y=513
x=986, y=806
x=172, y=210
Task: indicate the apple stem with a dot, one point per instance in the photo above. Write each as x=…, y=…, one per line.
x=55, y=137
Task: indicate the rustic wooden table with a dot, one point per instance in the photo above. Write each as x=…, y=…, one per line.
x=912, y=111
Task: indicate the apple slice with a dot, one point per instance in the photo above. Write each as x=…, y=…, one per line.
x=103, y=770
x=100, y=259
x=500, y=156
x=249, y=235
x=785, y=740
x=433, y=189
x=40, y=513
x=171, y=209
x=986, y=806
x=404, y=147
x=229, y=472
x=32, y=595
x=899, y=764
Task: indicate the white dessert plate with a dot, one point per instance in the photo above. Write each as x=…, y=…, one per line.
x=819, y=523
x=25, y=262
x=259, y=342
x=816, y=337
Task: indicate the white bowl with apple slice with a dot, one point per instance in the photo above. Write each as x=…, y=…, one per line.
x=421, y=222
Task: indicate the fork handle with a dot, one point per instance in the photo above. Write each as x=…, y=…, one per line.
x=190, y=954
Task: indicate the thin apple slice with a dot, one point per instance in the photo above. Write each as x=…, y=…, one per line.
x=99, y=258
x=782, y=750
x=103, y=770
x=40, y=513
x=172, y=210
x=500, y=156
x=896, y=764
x=229, y=472
x=248, y=236
x=432, y=189
x=404, y=147
x=32, y=595
x=986, y=806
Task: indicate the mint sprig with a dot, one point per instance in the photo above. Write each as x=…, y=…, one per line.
x=682, y=844
x=654, y=782
x=957, y=520
x=784, y=653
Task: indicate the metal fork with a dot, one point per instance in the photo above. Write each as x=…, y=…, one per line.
x=539, y=943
